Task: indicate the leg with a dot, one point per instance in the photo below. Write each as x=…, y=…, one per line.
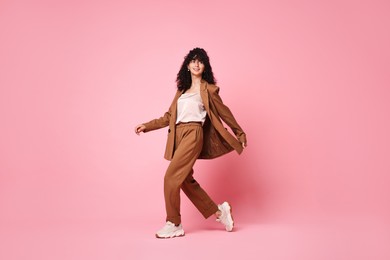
x=205, y=205
x=189, y=141
x=198, y=196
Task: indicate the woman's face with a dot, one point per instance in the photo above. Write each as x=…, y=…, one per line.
x=196, y=67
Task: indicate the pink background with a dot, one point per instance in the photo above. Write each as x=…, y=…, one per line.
x=307, y=80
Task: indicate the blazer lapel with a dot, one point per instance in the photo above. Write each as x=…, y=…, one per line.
x=174, y=109
x=172, y=129
x=174, y=104
x=205, y=96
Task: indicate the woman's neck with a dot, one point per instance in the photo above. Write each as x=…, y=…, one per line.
x=196, y=80
x=195, y=85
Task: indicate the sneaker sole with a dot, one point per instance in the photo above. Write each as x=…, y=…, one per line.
x=231, y=215
x=176, y=234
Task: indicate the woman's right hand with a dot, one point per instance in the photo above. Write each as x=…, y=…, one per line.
x=139, y=128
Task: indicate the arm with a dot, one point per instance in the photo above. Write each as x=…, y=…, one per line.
x=227, y=116
x=153, y=124
x=156, y=123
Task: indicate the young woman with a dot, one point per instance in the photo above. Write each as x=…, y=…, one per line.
x=195, y=132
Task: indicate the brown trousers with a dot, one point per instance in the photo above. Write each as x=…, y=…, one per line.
x=179, y=175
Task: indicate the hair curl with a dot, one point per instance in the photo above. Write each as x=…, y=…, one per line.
x=184, y=80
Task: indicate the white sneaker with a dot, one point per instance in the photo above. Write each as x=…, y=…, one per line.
x=170, y=231
x=226, y=217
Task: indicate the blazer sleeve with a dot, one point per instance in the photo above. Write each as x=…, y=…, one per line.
x=227, y=116
x=165, y=119
x=158, y=123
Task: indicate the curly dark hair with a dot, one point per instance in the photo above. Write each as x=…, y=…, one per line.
x=184, y=80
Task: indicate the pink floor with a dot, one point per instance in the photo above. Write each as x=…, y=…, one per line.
x=351, y=238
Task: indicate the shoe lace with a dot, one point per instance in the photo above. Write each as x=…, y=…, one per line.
x=168, y=226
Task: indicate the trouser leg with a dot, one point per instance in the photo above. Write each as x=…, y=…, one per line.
x=198, y=196
x=188, y=145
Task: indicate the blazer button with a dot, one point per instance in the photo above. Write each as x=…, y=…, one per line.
x=169, y=130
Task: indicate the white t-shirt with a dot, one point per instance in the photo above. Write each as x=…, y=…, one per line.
x=190, y=108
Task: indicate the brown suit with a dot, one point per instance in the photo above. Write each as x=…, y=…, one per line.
x=188, y=142
x=217, y=140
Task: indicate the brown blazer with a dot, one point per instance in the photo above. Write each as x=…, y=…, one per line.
x=217, y=140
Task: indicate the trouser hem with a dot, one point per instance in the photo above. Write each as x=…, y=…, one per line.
x=174, y=220
x=212, y=210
